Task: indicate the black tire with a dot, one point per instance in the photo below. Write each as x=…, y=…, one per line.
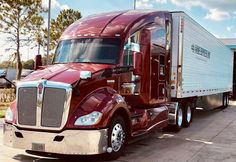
x=115, y=151
x=187, y=114
x=178, y=125
x=194, y=105
x=225, y=100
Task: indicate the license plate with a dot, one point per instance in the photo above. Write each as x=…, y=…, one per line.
x=38, y=147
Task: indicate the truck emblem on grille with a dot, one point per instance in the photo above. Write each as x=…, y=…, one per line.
x=40, y=88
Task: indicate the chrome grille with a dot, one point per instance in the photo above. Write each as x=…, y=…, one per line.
x=53, y=105
x=43, y=104
x=27, y=100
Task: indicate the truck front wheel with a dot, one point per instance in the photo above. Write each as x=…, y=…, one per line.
x=116, y=137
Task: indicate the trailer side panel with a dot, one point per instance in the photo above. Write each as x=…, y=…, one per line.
x=205, y=66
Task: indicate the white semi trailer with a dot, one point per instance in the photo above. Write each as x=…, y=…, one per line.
x=202, y=66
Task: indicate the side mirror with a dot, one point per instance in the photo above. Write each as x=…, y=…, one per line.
x=137, y=63
x=38, y=62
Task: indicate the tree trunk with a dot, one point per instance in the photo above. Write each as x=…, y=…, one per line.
x=18, y=60
x=18, y=66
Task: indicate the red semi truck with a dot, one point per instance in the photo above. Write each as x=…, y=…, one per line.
x=116, y=76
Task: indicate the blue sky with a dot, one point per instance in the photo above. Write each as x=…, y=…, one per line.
x=217, y=16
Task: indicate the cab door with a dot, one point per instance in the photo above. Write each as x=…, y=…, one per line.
x=158, y=65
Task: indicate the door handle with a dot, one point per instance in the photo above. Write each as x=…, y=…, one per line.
x=163, y=91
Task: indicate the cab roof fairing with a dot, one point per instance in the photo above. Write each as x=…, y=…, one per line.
x=112, y=24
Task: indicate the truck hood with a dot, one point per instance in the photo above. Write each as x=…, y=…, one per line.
x=66, y=73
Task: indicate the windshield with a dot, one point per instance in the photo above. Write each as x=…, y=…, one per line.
x=88, y=50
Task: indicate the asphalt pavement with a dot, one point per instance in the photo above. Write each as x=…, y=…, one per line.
x=210, y=138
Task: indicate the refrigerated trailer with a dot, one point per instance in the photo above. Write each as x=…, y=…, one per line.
x=116, y=76
x=204, y=64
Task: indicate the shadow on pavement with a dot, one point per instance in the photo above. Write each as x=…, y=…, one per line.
x=85, y=158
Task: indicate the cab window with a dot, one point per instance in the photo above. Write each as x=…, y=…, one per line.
x=132, y=45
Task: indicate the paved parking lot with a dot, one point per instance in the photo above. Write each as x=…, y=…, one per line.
x=211, y=137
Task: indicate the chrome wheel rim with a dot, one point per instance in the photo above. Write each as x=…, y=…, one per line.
x=189, y=114
x=180, y=117
x=117, y=137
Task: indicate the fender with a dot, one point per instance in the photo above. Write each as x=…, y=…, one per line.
x=105, y=100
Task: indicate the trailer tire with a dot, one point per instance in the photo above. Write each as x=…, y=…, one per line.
x=225, y=100
x=117, y=137
x=187, y=114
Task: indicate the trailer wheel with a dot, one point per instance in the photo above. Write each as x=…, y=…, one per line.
x=116, y=137
x=187, y=115
x=225, y=100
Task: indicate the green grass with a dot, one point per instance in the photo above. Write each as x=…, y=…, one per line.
x=2, y=113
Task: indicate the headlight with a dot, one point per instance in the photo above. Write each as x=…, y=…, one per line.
x=9, y=115
x=90, y=119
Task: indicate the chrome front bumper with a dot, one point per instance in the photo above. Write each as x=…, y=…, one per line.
x=80, y=142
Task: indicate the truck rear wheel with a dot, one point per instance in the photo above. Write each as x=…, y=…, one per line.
x=116, y=137
x=179, y=120
x=187, y=115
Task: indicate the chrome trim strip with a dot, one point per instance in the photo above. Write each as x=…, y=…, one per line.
x=46, y=84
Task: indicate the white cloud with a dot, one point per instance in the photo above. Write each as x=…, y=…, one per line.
x=217, y=15
x=217, y=9
x=161, y=1
x=229, y=28
x=65, y=7
x=144, y=4
x=54, y=4
x=228, y=5
x=188, y=3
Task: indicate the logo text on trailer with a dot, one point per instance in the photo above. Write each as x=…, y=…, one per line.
x=200, y=51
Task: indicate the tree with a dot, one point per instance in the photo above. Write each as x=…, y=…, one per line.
x=7, y=64
x=19, y=19
x=29, y=64
x=58, y=25
x=50, y=59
